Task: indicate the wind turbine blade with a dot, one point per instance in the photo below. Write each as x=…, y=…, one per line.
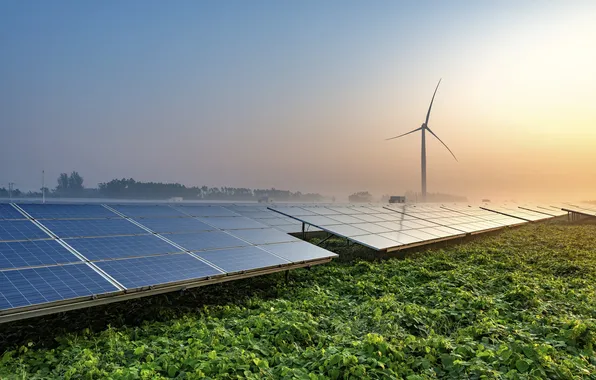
x=445, y=145
x=431, y=102
x=417, y=129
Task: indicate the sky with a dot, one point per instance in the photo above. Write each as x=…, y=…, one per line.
x=301, y=95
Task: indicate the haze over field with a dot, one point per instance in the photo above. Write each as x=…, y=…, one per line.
x=301, y=95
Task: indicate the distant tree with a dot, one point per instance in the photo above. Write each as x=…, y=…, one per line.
x=62, y=183
x=75, y=182
x=361, y=196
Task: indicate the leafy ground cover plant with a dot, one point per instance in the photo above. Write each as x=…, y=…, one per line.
x=517, y=305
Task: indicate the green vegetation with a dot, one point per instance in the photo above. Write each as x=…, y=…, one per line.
x=521, y=304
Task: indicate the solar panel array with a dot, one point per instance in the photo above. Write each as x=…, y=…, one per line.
x=397, y=226
x=373, y=226
x=517, y=212
x=587, y=209
x=70, y=252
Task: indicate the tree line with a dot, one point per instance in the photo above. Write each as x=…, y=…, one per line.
x=72, y=186
x=129, y=188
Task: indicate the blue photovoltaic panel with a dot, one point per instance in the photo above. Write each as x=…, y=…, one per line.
x=233, y=223
x=66, y=211
x=19, y=254
x=242, y=259
x=25, y=287
x=174, y=224
x=92, y=227
x=11, y=230
x=206, y=211
x=156, y=270
x=9, y=212
x=299, y=251
x=113, y=247
x=263, y=236
x=146, y=210
x=202, y=241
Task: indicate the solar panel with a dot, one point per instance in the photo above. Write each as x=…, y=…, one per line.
x=19, y=254
x=485, y=215
x=517, y=212
x=348, y=219
x=402, y=238
x=345, y=230
x=377, y=242
x=146, y=210
x=380, y=228
x=205, y=240
x=113, y=247
x=232, y=223
x=581, y=208
x=36, y=268
x=242, y=259
x=66, y=211
x=9, y=212
x=371, y=227
x=556, y=211
x=319, y=220
x=206, y=211
x=263, y=236
x=25, y=287
x=298, y=251
x=11, y=230
x=92, y=227
x=174, y=224
x=157, y=270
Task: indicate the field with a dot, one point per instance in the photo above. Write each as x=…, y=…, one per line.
x=520, y=304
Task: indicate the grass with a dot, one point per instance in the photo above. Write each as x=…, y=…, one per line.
x=521, y=304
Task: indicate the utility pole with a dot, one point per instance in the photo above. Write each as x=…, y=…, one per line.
x=43, y=186
x=10, y=186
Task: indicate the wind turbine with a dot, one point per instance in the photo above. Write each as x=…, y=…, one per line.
x=424, y=127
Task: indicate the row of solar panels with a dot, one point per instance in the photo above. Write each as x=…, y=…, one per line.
x=53, y=254
x=56, y=253
x=585, y=209
x=398, y=226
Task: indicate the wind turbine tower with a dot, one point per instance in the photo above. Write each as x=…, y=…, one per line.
x=424, y=127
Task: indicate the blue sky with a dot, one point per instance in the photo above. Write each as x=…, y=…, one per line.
x=244, y=93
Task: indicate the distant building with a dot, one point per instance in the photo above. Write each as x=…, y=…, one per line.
x=397, y=199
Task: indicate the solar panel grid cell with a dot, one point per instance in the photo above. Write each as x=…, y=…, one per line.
x=156, y=270
x=33, y=286
x=242, y=259
x=232, y=223
x=401, y=237
x=92, y=227
x=205, y=240
x=206, y=211
x=298, y=251
x=9, y=212
x=14, y=230
x=147, y=210
x=164, y=225
x=67, y=211
x=263, y=236
x=34, y=253
x=114, y=247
